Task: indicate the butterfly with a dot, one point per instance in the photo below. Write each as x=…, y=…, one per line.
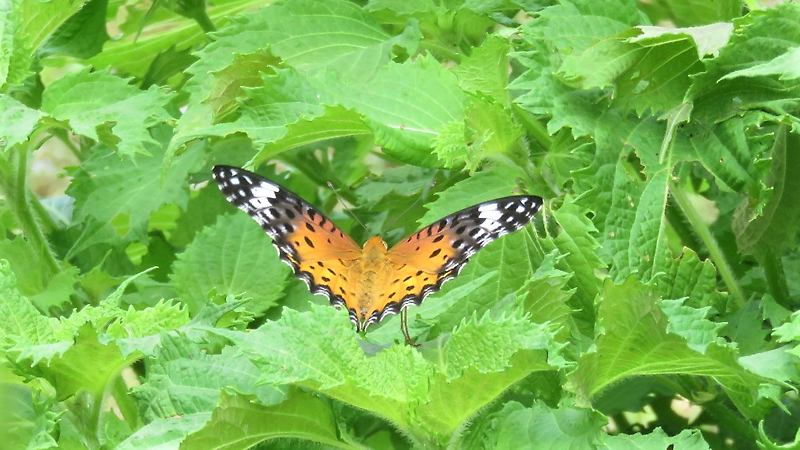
x=372, y=281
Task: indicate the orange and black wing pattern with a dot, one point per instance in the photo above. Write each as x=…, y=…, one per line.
x=318, y=252
x=424, y=261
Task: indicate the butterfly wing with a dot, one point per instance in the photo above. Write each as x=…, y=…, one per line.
x=318, y=252
x=424, y=261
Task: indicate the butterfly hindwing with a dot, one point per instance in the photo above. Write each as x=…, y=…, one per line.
x=438, y=252
x=318, y=252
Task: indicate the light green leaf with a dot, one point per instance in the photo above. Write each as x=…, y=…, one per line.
x=658, y=439
x=165, y=433
x=98, y=105
x=109, y=187
x=23, y=324
x=24, y=27
x=692, y=325
x=30, y=419
x=776, y=227
x=543, y=427
x=573, y=27
x=183, y=379
x=486, y=70
x=232, y=257
x=785, y=66
x=239, y=422
x=646, y=73
x=630, y=313
x=17, y=121
x=757, y=40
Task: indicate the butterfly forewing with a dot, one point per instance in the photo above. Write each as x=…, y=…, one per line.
x=424, y=261
x=319, y=253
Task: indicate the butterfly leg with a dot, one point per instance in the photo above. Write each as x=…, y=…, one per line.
x=404, y=327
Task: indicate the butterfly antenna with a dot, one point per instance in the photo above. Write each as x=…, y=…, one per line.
x=344, y=205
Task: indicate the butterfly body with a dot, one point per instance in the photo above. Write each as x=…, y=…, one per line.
x=372, y=281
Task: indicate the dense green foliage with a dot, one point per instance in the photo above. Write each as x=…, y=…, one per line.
x=650, y=304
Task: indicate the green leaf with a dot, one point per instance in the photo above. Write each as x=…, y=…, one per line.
x=578, y=249
x=33, y=421
x=98, y=105
x=545, y=297
x=647, y=73
x=776, y=228
x=83, y=35
x=630, y=313
x=326, y=357
x=17, y=122
x=183, y=379
x=573, y=27
x=485, y=70
x=23, y=323
x=240, y=423
x=424, y=98
x=165, y=433
x=785, y=66
x=542, y=427
x=758, y=38
x=109, y=188
x=637, y=217
x=685, y=440
x=232, y=257
x=25, y=26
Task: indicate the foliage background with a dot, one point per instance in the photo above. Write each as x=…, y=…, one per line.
x=652, y=304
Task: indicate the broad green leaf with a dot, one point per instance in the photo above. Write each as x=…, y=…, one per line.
x=25, y=27
x=543, y=427
x=692, y=325
x=687, y=276
x=232, y=257
x=109, y=187
x=727, y=151
x=483, y=186
x=573, y=27
x=424, y=98
x=776, y=228
x=334, y=122
x=135, y=52
x=17, y=121
x=545, y=297
x=85, y=365
x=32, y=282
x=485, y=70
x=82, y=35
x=182, y=379
x=318, y=349
x=636, y=244
x=785, y=66
x=352, y=45
x=23, y=324
x=707, y=38
x=758, y=38
x=99, y=105
x=165, y=433
x=651, y=73
x=685, y=440
x=629, y=313
x=239, y=422
x=29, y=419
x=578, y=248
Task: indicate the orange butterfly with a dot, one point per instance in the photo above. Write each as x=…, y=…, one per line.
x=374, y=281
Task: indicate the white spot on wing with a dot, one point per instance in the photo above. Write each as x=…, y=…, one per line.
x=261, y=192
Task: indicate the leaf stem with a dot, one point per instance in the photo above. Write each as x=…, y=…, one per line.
x=13, y=183
x=714, y=250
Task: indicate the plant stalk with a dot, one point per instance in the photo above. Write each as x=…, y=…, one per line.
x=714, y=250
